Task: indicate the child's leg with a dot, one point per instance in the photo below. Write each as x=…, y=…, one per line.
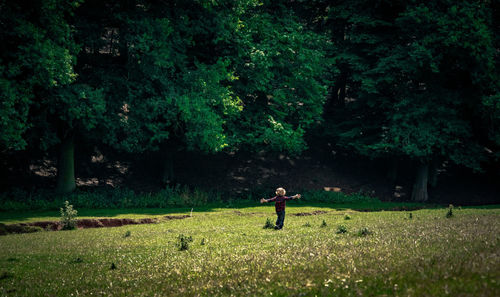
x=281, y=219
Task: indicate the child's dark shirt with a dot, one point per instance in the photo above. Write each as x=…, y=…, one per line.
x=280, y=202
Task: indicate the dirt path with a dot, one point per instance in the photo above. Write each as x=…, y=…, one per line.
x=81, y=224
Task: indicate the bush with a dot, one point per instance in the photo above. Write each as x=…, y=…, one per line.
x=341, y=229
x=269, y=224
x=323, y=224
x=183, y=242
x=127, y=234
x=68, y=216
x=347, y=217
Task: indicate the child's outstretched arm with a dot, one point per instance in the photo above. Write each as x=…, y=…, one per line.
x=297, y=196
x=262, y=200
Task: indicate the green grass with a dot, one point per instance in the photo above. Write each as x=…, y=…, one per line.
x=428, y=255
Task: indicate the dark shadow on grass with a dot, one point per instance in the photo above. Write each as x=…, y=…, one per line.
x=20, y=216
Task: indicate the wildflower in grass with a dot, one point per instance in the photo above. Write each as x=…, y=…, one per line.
x=323, y=224
x=341, y=229
x=449, y=214
x=280, y=205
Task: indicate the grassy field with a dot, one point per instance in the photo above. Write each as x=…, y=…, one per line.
x=231, y=254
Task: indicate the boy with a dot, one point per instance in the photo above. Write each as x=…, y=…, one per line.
x=280, y=199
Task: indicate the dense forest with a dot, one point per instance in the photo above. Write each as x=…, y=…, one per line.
x=406, y=83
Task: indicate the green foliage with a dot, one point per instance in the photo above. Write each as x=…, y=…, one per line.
x=37, y=57
x=183, y=242
x=418, y=74
x=307, y=224
x=127, y=234
x=68, y=216
x=269, y=224
x=341, y=229
x=347, y=217
x=323, y=224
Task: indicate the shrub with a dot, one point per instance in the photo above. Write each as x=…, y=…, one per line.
x=323, y=224
x=341, y=229
x=269, y=224
x=127, y=234
x=68, y=216
x=183, y=242
x=347, y=217
x=411, y=216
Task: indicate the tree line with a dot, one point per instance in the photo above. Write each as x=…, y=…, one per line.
x=400, y=80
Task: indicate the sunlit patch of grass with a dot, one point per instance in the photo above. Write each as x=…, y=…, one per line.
x=427, y=256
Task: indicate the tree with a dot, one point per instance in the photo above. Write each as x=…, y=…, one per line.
x=422, y=71
x=45, y=103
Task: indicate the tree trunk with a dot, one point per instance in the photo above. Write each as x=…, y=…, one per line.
x=419, y=193
x=66, y=166
x=433, y=174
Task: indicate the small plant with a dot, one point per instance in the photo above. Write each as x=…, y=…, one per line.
x=347, y=217
x=323, y=224
x=341, y=229
x=449, y=214
x=77, y=260
x=113, y=266
x=269, y=224
x=184, y=242
x=127, y=234
x=203, y=241
x=68, y=216
x=411, y=216
x=307, y=224
x=364, y=232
